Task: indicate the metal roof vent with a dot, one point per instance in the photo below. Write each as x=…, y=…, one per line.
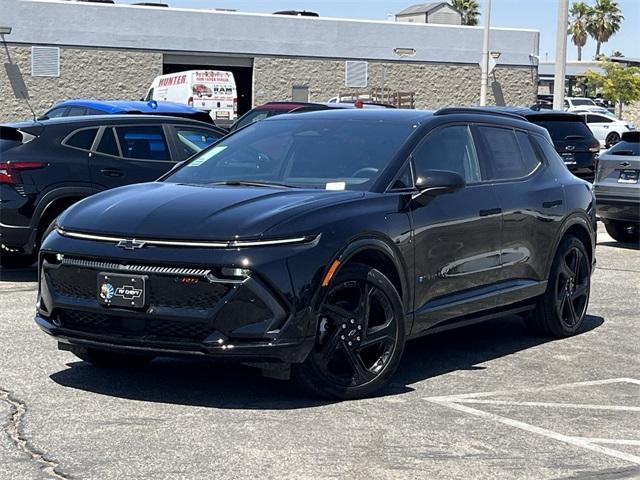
x=355, y=74
x=45, y=62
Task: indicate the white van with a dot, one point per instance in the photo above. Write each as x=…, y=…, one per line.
x=211, y=90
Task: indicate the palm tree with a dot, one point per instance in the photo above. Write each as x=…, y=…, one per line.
x=580, y=12
x=604, y=21
x=470, y=11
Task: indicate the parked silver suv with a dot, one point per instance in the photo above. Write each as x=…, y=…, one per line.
x=617, y=188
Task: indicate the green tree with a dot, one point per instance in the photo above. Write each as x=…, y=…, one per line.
x=470, y=11
x=604, y=21
x=580, y=13
x=620, y=83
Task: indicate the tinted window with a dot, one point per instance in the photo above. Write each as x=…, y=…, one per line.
x=449, y=148
x=530, y=159
x=505, y=159
x=76, y=112
x=561, y=129
x=310, y=152
x=405, y=180
x=598, y=119
x=625, y=148
x=56, y=112
x=144, y=143
x=251, y=117
x=192, y=140
x=83, y=139
x=546, y=148
x=108, y=144
x=582, y=101
x=93, y=111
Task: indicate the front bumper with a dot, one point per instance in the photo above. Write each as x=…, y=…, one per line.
x=189, y=310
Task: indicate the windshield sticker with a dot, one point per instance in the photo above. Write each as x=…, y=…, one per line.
x=206, y=156
x=336, y=185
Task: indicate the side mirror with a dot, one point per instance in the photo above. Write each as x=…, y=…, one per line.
x=431, y=183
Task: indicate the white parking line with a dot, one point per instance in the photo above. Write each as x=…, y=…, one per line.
x=456, y=402
x=584, y=406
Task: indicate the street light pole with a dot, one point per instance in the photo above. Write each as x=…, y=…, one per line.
x=484, y=67
x=561, y=55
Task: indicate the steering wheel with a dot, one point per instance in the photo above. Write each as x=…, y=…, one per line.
x=371, y=170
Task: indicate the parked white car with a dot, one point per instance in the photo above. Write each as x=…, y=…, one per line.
x=572, y=104
x=606, y=128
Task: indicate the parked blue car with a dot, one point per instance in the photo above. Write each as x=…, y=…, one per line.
x=81, y=107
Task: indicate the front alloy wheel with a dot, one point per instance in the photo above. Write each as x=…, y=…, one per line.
x=360, y=336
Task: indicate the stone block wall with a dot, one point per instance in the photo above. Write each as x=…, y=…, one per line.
x=84, y=73
x=435, y=85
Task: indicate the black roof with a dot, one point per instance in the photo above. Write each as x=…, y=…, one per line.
x=532, y=114
x=394, y=114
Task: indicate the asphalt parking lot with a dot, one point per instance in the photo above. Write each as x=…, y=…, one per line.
x=484, y=402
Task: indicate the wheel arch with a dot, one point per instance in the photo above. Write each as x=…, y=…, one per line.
x=579, y=226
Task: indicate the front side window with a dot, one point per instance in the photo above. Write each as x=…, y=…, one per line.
x=143, y=142
x=82, y=139
x=505, y=153
x=193, y=140
x=305, y=152
x=56, y=112
x=449, y=148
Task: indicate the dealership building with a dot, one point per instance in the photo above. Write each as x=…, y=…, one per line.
x=69, y=49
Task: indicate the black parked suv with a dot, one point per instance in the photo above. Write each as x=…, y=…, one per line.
x=46, y=166
x=315, y=244
x=570, y=135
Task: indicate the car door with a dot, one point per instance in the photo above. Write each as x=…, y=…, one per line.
x=532, y=206
x=126, y=154
x=456, y=235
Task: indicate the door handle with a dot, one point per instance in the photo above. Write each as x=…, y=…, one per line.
x=491, y=211
x=111, y=172
x=553, y=203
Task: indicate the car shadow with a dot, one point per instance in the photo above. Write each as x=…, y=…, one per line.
x=28, y=274
x=628, y=246
x=231, y=386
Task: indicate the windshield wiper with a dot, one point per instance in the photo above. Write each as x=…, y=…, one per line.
x=252, y=183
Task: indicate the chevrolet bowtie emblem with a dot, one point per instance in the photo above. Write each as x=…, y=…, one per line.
x=130, y=244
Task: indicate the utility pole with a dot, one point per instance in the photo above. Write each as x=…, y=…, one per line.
x=484, y=67
x=561, y=55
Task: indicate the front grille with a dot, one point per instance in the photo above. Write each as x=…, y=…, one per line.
x=168, y=330
x=162, y=290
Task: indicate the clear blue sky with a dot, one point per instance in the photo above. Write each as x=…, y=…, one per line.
x=535, y=14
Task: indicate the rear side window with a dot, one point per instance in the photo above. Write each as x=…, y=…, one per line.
x=530, y=159
x=143, y=143
x=192, y=140
x=507, y=153
x=76, y=112
x=546, y=148
x=565, y=129
x=93, y=111
x=108, y=144
x=82, y=139
x=56, y=112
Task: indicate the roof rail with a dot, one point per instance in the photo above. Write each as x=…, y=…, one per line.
x=477, y=111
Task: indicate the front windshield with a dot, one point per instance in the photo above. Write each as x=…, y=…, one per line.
x=332, y=154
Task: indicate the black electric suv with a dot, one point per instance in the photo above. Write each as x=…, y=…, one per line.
x=47, y=165
x=316, y=244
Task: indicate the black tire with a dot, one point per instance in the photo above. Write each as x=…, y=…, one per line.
x=623, y=232
x=561, y=310
x=612, y=139
x=360, y=337
x=109, y=359
x=9, y=259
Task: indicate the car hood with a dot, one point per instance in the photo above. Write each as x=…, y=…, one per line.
x=192, y=212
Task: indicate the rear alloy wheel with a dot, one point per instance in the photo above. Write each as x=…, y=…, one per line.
x=622, y=231
x=360, y=336
x=109, y=359
x=561, y=310
x=612, y=139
